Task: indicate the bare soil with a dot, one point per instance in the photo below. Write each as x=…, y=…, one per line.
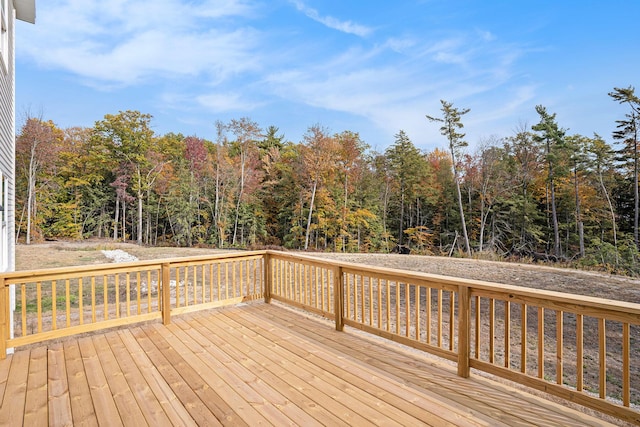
x=533, y=276
x=64, y=254
x=89, y=252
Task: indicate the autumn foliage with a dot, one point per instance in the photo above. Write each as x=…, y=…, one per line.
x=537, y=194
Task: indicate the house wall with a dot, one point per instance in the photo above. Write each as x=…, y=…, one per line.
x=7, y=150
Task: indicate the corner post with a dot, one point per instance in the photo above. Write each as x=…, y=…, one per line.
x=338, y=293
x=464, y=330
x=166, y=293
x=267, y=276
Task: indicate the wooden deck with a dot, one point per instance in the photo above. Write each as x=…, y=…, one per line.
x=256, y=364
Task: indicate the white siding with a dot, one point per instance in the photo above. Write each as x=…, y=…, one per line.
x=7, y=146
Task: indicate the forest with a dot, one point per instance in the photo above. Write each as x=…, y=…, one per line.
x=538, y=194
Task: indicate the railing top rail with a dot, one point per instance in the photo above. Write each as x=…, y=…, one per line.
x=34, y=275
x=506, y=291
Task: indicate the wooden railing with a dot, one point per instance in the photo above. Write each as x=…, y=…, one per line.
x=65, y=301
x=585, y=350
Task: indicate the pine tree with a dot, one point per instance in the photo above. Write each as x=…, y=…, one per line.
x=451, y=124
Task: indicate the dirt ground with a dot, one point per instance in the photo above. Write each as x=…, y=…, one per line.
x=63, y=254
x=533, y=276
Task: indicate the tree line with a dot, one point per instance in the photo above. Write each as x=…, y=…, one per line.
x=539, y=193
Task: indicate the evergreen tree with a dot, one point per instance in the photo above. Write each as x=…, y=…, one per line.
x=451, y=124
x=552, y=137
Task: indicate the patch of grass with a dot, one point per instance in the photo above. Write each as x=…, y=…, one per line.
x=47, y=303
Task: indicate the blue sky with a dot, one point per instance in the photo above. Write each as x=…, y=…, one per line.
x=373, y=67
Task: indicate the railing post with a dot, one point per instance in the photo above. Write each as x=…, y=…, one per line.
x=166, y=293
x=4, y=318
x=338, y=293
x=267, y=277
x=464, y=330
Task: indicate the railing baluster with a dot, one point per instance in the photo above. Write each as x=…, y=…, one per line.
x=523, y=338
x=54, y=306
x=127, y=278
x=428, y=309
x=492, y=331
x=370, y=282
x=93, y=299
x=105, y=297
x=417, y=311
x=452, y=319
x=228, y=280
x=204, y=284
x=338, y=291
x=80, y=301
x=117, y=296
x=626, y=365
x=540, y=342
x=439, y=337
x=23, y=301
x=407, y=304
x=477, y=328
x=67, y=294
x=177, y=286
x=39, y=304
x=579, y=352
x=234, y=277
x=559, y=346
x=362, y=299
x=507, y=334
x=602, y=345
x=388, y=307
x=186, y=286
x=397, y=284
x=379, y=296
x=138, y=284
x=148, y=291
x=211, y=282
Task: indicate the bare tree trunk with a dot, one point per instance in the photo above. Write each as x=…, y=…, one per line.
x=124, y=220
x=116, y=219
x=140, y=227
x=554, y=214
x=464, y=223
x=578, y=214
x=313, y=198
x=384, y=213
x=240, y=193
x=613, y=215
x=636, y=193
x=31, y=197
x=344, y=214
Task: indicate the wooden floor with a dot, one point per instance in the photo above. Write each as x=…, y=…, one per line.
x=252, y=365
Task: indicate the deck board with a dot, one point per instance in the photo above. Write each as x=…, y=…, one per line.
x=381, y=388
x=173, y=408
x=256, y=364
x=80, y=397
x=35, y=411
x=58, y=387
x=482, y=395
x=369, y=397
x=13, y=403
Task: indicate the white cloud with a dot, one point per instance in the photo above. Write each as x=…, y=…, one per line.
x=395, y=84
x=125, y=43
x=331, y=22
x=224, y=102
